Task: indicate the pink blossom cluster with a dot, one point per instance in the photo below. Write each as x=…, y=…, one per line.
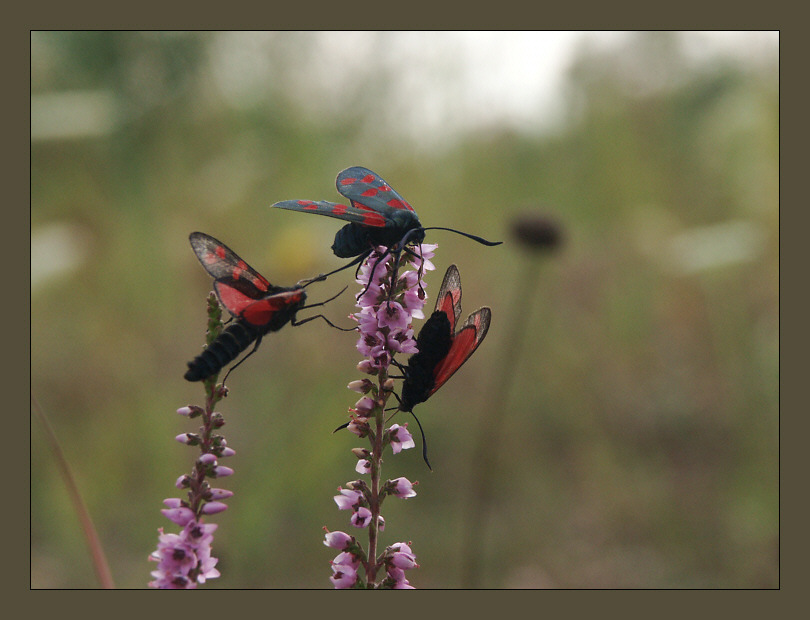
x=396, y=559
x=388, y=303
x=184, y=559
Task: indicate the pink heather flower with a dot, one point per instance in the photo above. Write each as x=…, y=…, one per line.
x=347, y=500
x=402, y=487
x=393, y=316
x=358, y=427
x=380, y=523
x=404, y=560
x=184, y=559
x=382, y=319
x=426, y=251
x=344, y=576
x=180, y=516
x=201, y=533
x=368, y=367
x=361, y=517
x=347, y=559
x=338, y=540
x=401, y=439
x=403, y=585
x=397, y=574
x=363, y=466
x=363, y=407
x=368, y=297
x=401, y=342
x=227, y=452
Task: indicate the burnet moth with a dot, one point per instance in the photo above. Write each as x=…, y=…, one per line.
x=377, y=216
x=442, y=349
x=257, y=306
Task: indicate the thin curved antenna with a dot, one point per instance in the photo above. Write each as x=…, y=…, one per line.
x=480, y=240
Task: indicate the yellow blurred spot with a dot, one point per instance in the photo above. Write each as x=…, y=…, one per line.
x=300, y=251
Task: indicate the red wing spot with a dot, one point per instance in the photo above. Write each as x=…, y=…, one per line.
x=369, y=178
x=398, y=204
x=308, y=204
x=348, y=181
x=339, y=209
x=210, y=258
x=220, y=251
x=373, y=219
x=370, y=192
x=385, y=188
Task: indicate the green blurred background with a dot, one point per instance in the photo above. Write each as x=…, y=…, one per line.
x=618, y=427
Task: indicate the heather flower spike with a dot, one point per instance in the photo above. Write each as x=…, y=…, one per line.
x=392, y=296
x=184, y=559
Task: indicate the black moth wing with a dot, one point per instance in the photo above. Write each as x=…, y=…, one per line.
x=226, y=267
x=368, y=190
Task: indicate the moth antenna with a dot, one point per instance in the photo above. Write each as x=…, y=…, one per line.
x=480, y=240
x=424, y=441
x=341, y=427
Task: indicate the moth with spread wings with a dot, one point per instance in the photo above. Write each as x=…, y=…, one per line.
x=442, y=349
x=258, y=306
x=377, y=216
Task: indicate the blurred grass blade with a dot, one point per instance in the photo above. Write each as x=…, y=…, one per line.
x=100, y=564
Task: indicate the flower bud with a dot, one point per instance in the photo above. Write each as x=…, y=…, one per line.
x=338, y=540
x=180, y=516
x=212, y=508
x=182, y=482
x=221, y=471
x=216, y=494
x=361, y=386
x=207, y=459
x=360, y=428
x=191, y=411
x=191, y=439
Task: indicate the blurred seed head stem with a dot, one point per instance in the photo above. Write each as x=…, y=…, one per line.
x=537, y=236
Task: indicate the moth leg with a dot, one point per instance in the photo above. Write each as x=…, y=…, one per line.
x=252, y=351
x=354, y=261
x=296, y=323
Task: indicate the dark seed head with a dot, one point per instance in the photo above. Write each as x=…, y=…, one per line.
x=537, y=232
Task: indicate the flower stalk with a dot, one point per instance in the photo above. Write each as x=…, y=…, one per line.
x=388, y=303
x=184, y=559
